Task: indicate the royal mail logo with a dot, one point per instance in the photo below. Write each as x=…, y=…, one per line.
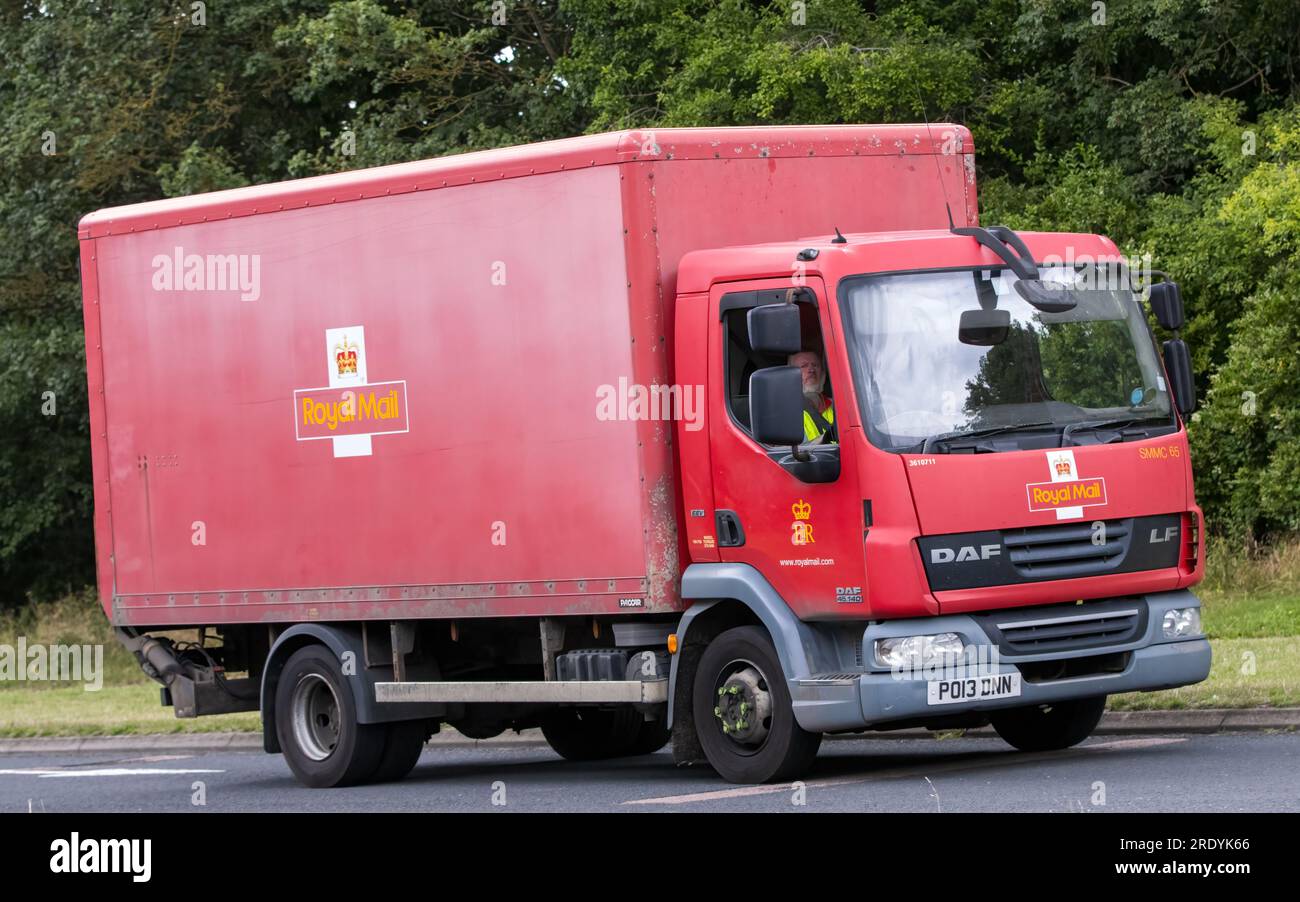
x=373, y=409
x=350, y=410
x=1046, y=496
x=1066, y=493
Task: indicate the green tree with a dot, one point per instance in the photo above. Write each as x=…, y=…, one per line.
x=103, y=104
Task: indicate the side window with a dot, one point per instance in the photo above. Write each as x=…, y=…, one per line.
x=740, y=360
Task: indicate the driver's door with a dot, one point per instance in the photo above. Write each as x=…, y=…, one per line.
x=805, y=539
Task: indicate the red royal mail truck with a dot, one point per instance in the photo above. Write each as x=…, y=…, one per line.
x=733, y=436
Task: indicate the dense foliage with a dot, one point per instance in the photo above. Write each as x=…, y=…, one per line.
x=1171, y=125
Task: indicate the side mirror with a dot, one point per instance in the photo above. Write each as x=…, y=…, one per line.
x=1167, y=305
x=984, y=327
x=776, y=403
x=1178, y=364
x=774, y=329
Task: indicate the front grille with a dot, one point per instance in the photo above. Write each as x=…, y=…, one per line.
x=1070, y=550
x=1068, y=627
x=1027, y=554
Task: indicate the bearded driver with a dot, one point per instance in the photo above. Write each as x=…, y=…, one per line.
x=818, y=412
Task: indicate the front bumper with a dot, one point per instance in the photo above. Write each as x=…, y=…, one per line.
x=877, y=697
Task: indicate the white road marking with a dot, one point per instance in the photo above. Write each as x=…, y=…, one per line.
x=1138, y=743
x=154, y=759
x=104, y=772
x=901, y=772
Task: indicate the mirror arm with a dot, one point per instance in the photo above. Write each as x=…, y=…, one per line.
x=1007, y=236
x=987, y=238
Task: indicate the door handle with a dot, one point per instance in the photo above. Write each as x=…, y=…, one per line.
x=730, y=532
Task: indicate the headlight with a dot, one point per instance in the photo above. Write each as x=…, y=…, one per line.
x=919, y=651
x=1181, y=622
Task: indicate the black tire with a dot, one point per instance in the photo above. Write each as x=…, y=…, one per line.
x=591, y=734
x=651, y=737
x=784, y=750
x=316, y=722
x=1045, y=728
x=402, y=747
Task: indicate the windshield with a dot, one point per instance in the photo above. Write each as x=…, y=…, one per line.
x=918, y=381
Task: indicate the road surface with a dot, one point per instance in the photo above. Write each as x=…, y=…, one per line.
x=1222, y=772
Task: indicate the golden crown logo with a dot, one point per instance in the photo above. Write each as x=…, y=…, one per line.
x=1062, y=468
x=345, y=358
x=801, y=509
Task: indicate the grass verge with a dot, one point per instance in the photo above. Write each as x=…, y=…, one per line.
x=111, y=711
x=1245, y=673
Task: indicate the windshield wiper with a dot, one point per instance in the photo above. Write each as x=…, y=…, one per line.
x=1118, y=425
x=929, y=443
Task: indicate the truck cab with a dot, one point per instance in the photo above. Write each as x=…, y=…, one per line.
x=1000, y=523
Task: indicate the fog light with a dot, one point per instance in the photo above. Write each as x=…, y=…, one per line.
x=1182, y=622
x=919, y=651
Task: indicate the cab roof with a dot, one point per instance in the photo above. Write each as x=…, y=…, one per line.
x=872, y=252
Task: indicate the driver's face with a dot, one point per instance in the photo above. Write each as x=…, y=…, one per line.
x=810, y=366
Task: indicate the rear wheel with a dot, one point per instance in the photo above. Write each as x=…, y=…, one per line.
x=402, y=747
x=591, y=734
x=743, y=712
x=1044, y=728
x=651, y=737
x=316, y=722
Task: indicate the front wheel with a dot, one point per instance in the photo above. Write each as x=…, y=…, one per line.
x=743, y=713
x=1045, y=728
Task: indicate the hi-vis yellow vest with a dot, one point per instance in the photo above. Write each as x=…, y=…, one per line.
x=810, y=430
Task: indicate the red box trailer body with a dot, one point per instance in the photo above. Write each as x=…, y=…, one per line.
x=736, y=432
x=496, y=292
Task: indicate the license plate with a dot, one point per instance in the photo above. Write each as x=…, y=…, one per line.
x=974, y=689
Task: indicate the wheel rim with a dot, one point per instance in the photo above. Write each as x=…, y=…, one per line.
x=315, y=717
x=742, y=709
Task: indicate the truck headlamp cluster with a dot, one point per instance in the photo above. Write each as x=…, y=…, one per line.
x=1180, y=623
x=920, y=651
